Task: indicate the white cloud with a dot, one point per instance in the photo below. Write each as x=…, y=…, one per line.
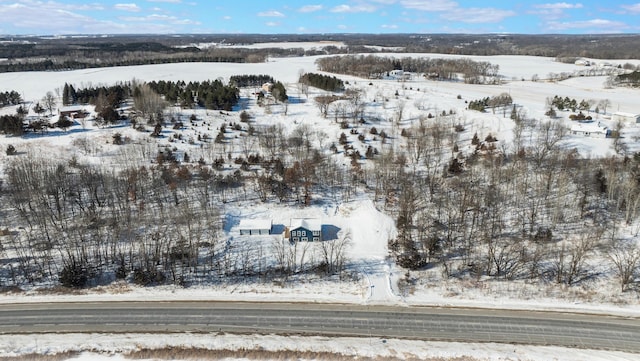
x=603, y=25
x=310, y=8
x=227, y=17
x=478, y=15
x=271, y=14
x=558, y=6
x=127, y=7
x=553, y=11
x=26, y=17
x=165, y=1
x=451, y=10
x=159, y=18
x=437, y=6
x=634, y=8
x=272, y=23
x=391, y=26
x=363, y=8
x=51, y=5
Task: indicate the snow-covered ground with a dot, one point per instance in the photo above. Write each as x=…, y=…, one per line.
x=103, y=347
x=368, y=227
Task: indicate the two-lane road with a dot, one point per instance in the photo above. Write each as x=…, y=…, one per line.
x=444, y=324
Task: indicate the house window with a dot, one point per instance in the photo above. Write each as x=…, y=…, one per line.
x=305, y=239
x=316, y=239
x=316, y=233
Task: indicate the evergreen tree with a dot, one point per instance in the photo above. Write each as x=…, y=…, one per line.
x=279, y=92
x=65, y=94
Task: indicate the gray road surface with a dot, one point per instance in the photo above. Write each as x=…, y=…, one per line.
x=424, y=323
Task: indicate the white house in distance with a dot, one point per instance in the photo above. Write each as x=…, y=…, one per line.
x=625, y=117
x=251, y=227
x=305, y=230
x=583, y=62
x=590, y=129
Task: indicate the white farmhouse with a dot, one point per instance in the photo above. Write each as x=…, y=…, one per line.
x=590, y=129
x=625, y=117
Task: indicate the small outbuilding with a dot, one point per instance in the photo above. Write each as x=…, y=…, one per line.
x=625, y=117
x=305, y=230
x=252, y=227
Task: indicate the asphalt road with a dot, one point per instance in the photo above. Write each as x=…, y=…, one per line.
x=425, y=323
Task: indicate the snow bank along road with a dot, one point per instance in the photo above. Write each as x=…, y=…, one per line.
x=442, y=324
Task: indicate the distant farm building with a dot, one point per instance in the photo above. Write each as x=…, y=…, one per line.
x=625, y=117
x=73, y=112
x=583, y=62
x=399, y=75
x=590, y=129
x=305, y=230
x=251, y=227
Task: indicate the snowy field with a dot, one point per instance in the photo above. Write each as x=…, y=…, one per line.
x=368, y=226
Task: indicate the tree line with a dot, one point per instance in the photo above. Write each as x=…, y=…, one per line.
x=250, y=80
x=100, y=59
x=10, y=98
x=207, y=94
x=320, y=81
x=630, y=79
x=372, y=66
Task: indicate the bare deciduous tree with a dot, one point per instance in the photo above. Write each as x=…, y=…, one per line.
x=625, y=259
x=148, y=102
x=49, y=102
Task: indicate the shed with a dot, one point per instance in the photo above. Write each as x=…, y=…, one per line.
x=625, y=117
x=305, y=230
x=251, y=227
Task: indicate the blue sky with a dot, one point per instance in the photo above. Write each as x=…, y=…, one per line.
x=57, y=17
